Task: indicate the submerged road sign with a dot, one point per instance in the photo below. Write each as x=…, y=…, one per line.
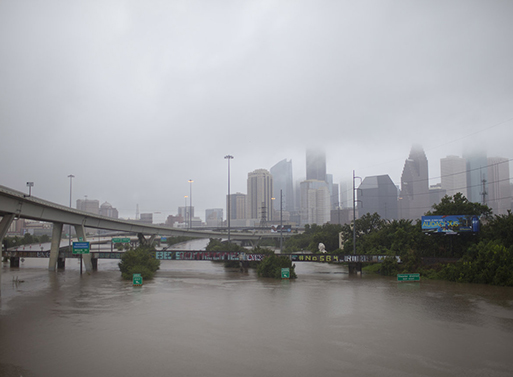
x=408, y=277
x=285, y=273
x=137, y=279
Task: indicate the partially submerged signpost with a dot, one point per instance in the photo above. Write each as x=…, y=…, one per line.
x=81, y=248
x=408, y=277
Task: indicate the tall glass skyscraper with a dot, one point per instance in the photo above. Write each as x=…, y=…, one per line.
x=315, y=165
x=283, y=181
x=414, y=200
x=477, y=176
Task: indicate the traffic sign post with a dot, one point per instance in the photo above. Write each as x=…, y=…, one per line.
x=285, y=273
x=137, y=280
x=408, y=277
x=81, y=247
x=121, y=240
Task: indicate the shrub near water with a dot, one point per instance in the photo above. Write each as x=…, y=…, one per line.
x=271, y=267
x=139, y=261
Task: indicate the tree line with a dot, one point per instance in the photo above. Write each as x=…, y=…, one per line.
x=482, y=257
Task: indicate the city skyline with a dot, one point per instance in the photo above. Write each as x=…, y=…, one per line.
x=134, y=102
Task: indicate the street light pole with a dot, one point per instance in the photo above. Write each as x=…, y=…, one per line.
x=190, y=203
x=185, y=209
x=71, y=176
x=30, y=185
x=228, y=157
x=281, y=221
x=354, y=213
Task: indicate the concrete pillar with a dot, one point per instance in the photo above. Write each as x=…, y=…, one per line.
x=54, y=248
x=80, y=230
x=355, y=268
x=15, y=262
x=94, y=263
x=5, y=223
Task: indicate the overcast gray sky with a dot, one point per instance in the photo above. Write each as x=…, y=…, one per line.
x=135, y=98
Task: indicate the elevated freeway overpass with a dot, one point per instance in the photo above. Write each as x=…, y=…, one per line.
x=15, y=204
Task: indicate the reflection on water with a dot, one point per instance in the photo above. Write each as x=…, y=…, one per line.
x=197, y=318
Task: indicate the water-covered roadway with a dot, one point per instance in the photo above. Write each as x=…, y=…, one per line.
x=199, y=319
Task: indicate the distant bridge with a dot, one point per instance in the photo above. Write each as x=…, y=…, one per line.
x=15, y=204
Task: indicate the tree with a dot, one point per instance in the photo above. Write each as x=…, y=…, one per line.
x=271, y=267
x=459, y=205
x=139, y=261
x=499, y=228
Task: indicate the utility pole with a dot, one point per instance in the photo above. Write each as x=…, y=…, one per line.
x=484, y=193
x=354, y=213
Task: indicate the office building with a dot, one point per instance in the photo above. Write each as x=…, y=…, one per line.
x=378, y=194
x=87, y=205
x=107, y=210
x=453, y=171
x=237, y=206
x=477, y=176
x=498, y=196
x=283, y=183
x=214, y=217
x=315, y=202
x=414, y=200
x=260, y=192
x=315, y=164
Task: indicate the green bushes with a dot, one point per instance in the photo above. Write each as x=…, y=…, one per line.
x=271, y=267
x=139, y=261
x=485, y=263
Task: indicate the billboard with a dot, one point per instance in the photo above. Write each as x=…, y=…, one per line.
x=450, y=224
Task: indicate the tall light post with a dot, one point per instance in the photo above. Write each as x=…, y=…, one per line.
x=30, y=185
x=354, y=213
x=71, y=176
x=271, y=210
x=228, y=157
x=281, y=221
x=185, y=208
x=190, y=203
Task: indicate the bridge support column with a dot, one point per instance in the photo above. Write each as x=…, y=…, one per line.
x=355, y=268
x=54, y=248
x=14, y=262
x=5, y=223
x=80, y=230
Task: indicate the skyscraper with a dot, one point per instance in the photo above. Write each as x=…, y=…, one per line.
x=453, y=170
x=88, y=205
x=260, y=191
x=499, y=190
x=315, y=202
x=378, y=194
x=477, y=176
x=237, y=206
x=414, y=198
x=282, y=181
x=315, y=164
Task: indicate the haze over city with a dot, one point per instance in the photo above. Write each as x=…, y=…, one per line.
x=136, y=100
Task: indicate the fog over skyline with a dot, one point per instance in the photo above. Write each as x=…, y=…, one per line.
x=136, y=98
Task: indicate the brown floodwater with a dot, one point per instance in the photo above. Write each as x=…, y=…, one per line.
x=197, y=318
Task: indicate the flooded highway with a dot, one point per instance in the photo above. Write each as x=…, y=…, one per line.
x=197, y=318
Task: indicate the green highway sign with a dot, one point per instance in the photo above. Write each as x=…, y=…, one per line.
x=121, y=240
x=408, y=277
x=81, y=247
x=285, y=273
x=137, y=279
